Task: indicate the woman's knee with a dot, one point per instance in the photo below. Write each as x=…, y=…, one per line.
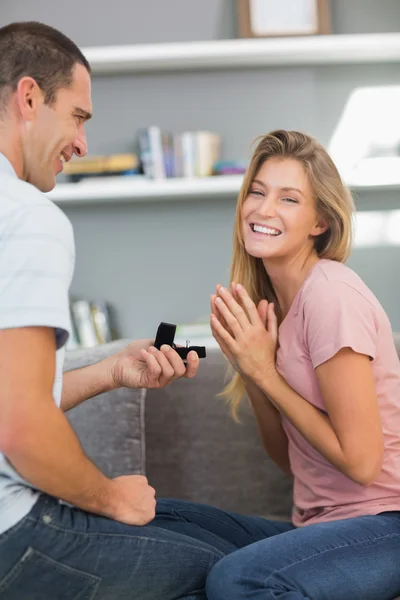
x=224, y=580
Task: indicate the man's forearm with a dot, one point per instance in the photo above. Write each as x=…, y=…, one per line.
x=47, y=453
x=81, y=384
x=269, y=422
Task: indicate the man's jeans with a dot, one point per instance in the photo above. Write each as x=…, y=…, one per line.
x=350, y=559
x=61, y=553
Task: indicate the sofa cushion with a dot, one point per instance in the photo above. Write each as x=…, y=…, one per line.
x=110, y=426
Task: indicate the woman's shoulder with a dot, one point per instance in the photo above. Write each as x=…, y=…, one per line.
x=333, y=277
x=333, y=286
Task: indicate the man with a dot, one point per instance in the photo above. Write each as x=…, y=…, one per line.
x=66, y=530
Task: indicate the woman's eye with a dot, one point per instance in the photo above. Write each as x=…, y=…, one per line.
x=256, y=193
x=292, y=200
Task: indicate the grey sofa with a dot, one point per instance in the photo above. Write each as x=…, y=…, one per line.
x=183, y=438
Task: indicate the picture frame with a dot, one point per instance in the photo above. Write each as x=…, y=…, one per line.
x=277, y=18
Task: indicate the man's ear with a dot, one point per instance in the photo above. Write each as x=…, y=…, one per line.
x=29, y=97
x=320, y=227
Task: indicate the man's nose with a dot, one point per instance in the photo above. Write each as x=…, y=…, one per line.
x=80, y=144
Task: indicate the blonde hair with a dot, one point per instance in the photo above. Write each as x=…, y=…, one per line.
x=334, y=204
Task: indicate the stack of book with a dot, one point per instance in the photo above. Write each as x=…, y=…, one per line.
x=90, y=324
x=189, y=154
x=101, y=166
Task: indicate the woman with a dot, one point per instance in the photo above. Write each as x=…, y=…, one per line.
x=314, y=351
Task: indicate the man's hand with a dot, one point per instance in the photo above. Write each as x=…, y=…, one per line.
x=141, y=365
x=132, y=500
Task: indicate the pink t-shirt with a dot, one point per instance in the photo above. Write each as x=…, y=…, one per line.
x=334, y=309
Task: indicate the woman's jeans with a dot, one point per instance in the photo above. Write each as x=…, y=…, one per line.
x=191, y=551
x=350, y=559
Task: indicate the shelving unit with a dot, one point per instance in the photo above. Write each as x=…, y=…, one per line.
x=208, y=55
x=128, y=190
x=240, y=53
x=131, y=189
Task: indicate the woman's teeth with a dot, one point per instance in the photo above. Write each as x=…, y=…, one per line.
x=266, y=230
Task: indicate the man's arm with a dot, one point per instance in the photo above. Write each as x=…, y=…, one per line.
x=38, y=441
x=126, y=368
x=81, y=384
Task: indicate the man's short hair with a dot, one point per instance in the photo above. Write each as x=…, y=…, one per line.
x=38, y=51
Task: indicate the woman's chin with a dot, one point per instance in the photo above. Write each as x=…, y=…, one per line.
x=260, y=252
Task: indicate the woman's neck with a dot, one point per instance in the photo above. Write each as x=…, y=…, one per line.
x=288, y=276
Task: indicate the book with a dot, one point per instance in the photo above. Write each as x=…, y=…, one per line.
x=89, y=166
x=101, y=321
x=151, y=152
x=85, y=328
x=188, y=154
x=207, y=152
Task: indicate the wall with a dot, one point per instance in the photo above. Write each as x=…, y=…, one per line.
x=161, y=261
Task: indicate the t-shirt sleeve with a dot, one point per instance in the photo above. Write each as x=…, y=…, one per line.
x=36, y=265
x=338, y=316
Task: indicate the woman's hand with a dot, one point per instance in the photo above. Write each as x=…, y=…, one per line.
x=246, y=334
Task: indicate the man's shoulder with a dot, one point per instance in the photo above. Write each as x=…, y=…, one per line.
x=25, y=208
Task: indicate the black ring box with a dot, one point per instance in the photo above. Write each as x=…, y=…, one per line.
x=166, y=334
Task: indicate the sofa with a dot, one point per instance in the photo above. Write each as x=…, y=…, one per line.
x=183, y=438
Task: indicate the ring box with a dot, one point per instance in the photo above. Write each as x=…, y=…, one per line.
x=166, y=334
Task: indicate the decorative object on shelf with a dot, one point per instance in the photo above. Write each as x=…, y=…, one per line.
x=98, y=166
x=270, y=18
x=230, y=167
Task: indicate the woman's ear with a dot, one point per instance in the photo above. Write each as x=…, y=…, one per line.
x=320, y=227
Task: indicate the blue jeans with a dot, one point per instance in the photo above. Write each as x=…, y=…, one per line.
x=61, y=553
x=350, y=559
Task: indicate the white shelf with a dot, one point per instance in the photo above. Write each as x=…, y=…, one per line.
x=130, y=189
x=306, y=50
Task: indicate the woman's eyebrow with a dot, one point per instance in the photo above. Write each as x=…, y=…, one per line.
x=283, y=189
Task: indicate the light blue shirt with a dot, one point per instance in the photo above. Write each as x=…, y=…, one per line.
x=37, y=258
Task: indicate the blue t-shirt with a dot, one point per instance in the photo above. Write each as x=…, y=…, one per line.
x=37, y=258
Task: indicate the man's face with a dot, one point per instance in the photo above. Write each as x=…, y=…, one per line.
x=57, y=132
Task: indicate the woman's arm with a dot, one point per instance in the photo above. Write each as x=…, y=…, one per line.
x=273, y=437
x=351, y=438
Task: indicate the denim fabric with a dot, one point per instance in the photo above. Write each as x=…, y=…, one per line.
x=349, y=559
x=61, y=553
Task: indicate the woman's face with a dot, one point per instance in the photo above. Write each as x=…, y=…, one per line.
x=279, y=214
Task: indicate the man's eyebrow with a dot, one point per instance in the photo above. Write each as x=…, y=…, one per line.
x=83, y=113
x=283, y=189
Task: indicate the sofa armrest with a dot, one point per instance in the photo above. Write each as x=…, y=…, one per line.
x=195, y=451
x=110, y=426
